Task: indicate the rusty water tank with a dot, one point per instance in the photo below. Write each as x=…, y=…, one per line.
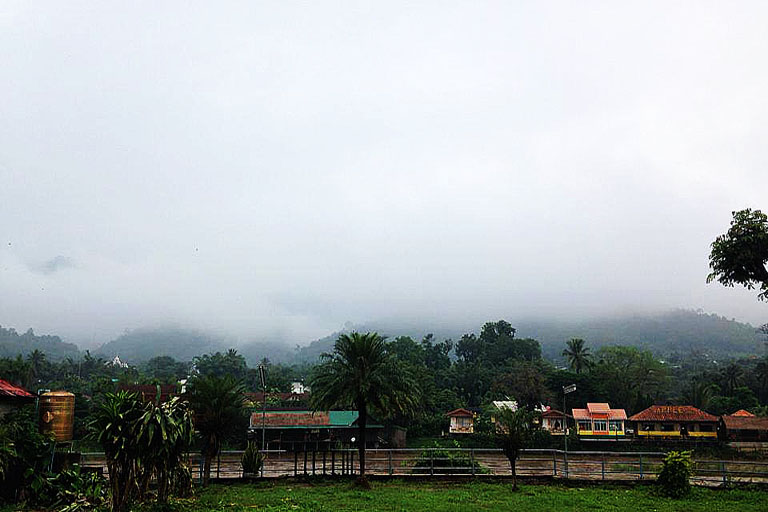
x=57, y=414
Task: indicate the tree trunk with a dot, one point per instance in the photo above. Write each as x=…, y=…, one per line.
x=513, y=462
x=207, y=468
x=362, y=420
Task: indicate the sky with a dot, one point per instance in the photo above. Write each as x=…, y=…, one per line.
x=275, y=169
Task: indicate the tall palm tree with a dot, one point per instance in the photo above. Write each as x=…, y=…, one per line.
x=577, y=354
x=37, y=363
x=761, y=372
x=732, y=376
x=217, y=404
x=360, y=372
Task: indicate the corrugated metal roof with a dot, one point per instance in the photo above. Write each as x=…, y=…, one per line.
x=9, y=390
x=307, y=419
x=673, y=413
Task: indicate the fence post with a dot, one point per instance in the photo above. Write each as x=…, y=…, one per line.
x=554, y=463
x=314, y=458
x=472, y=460
x=390, y=462
x=725, y=474
x=641, y=466
x=565, y=464
x=325, y=451
x=295, y=463
x=305, y=459
x=218, y=464
x=333, y=462
x=603, y=466
x=432, y=461
x=202, y=463
x=352, y=463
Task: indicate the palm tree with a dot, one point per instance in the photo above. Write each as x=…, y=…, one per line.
x=732, y=376
x=699, y=393
x=578, y=355
x=514, y=430
x=761, y=372
x=217, y=404
x=360, y=372
x=37, y=362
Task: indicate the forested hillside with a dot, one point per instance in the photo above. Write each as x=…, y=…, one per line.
x=678, y=331
x=13, y=344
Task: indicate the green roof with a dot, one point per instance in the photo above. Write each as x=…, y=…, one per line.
x=307, y=419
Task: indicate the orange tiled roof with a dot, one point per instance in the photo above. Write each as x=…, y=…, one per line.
x=743, y=413
x=734, y=422
x=672, y=413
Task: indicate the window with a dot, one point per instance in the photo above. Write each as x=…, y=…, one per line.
x=615, y=426
x=584, y=425
x=705, y=428
x=601, y=425
x=667, y=427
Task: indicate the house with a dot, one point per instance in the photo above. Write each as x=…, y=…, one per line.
x=599, y=420
x=743, y=426
x=12, y=397
x=298, y=429
x=285, y=400
x=462, y=421
x=675, y=421
x=553, y=421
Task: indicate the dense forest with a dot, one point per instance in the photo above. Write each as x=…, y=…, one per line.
x=493, y=363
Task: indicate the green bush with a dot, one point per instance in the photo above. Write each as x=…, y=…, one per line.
x=252, y=460
x=446, y=461
x=675, y=474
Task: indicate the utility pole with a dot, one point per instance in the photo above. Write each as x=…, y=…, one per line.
x=263, y=379
x=566, y=389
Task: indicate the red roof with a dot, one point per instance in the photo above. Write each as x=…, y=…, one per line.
x=673, y=413
x=600, y=409
x=460, y=412
x=9, y=390
x=552, y=413
x=734, y=422
x=743, y=413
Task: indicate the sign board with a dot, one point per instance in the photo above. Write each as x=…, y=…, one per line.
x=263, y=376
x=569, y=389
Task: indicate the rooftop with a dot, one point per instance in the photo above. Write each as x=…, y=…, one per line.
x=8, y=390
x=307, y=419
x=734, y=422
x=673, y=413
x=460, y=412
x=600, y=411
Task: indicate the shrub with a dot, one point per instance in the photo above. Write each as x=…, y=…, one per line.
x=252, y=460
x=675, y=474
x=446, y=461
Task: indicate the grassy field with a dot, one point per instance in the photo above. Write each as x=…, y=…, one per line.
x=471, y=497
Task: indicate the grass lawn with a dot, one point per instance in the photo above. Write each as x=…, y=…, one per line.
x=469, y=497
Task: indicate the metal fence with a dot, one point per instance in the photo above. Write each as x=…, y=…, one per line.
x=463, y=462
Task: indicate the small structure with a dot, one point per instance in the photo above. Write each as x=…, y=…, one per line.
x=599, y=420
x=462, y=421
x=300, y=429
x=287, y=400
x=555, y=422
x=12, y=397
x=675, y=421
x=743, y=426
x=150, y=393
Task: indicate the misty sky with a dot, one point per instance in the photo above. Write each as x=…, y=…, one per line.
x=279, y=168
